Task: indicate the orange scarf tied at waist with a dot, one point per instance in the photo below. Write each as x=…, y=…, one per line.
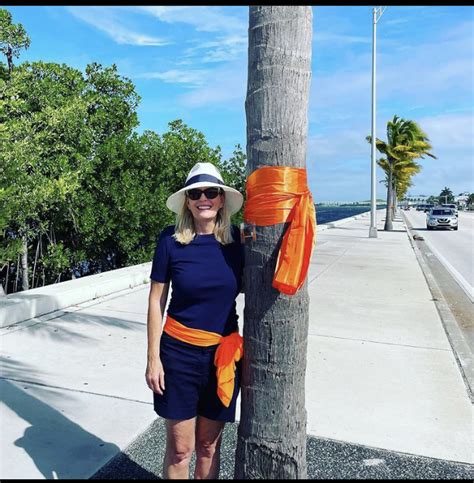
x=279, y=194
x=230, y=350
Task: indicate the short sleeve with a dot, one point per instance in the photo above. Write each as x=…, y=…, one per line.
x=161, y=267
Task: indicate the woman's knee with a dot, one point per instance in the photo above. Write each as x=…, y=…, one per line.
x=180, y=454
x=180, y=441
x=206, y=448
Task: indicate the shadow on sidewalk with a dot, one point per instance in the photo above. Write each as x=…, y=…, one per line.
x=54, y=443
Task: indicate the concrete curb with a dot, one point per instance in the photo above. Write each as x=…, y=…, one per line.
x=460, y=347
x=36, y=302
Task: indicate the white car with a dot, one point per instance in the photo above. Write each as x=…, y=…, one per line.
x=441, y=217
x=452, y=206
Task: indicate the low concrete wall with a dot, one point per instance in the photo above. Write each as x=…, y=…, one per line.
x=332, y=224
x=32, y=303
x=43, y=300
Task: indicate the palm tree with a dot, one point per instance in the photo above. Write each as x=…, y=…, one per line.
x=446, y=196
x=405, y=142
x=271, y=440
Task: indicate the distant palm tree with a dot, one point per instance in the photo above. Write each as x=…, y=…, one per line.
x=405, y=142
x=446, y=196
x=403, y=172
x=403, y=180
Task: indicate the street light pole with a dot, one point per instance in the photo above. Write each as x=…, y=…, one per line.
x=377, y=13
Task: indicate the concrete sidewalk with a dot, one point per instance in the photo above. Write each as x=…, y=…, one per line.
x=380, y=372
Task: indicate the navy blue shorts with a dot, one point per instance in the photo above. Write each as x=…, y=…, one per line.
x=191, y=383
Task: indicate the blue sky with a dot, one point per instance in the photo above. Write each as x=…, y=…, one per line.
x=191, y=63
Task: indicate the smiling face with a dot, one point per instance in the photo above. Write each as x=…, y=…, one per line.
x=204, y=209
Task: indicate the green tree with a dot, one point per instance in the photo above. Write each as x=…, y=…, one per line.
x=406, y=141
x=234, y=173
x=80, y=191
x=446, y=196
x=43, y=149
x=13, y=38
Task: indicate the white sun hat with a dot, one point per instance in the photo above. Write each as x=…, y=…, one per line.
x=204, y=175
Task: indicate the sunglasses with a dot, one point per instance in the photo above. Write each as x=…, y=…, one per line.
x=211, y=193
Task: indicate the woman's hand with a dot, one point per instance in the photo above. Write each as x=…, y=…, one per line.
x=155, y=376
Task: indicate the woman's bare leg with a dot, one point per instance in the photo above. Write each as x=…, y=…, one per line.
x=180, y=440
x=208, y=445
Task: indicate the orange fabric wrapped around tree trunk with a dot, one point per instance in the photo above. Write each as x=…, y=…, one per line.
x=280, y=194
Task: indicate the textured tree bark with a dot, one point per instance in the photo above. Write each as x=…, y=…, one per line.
x=388, y=212
x=394, y=209
x=272, y=432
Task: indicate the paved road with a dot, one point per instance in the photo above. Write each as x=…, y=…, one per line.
x=455, y=249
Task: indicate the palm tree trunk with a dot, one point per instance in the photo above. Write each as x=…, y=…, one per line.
x=24, y=264
x=388, y=212
x=393, y=197
x=272, y=432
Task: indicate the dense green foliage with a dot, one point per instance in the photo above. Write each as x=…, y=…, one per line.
x=80, y=190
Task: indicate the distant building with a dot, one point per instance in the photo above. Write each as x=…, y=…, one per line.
x=348, y=203
x=462, y=199
x=330, y=203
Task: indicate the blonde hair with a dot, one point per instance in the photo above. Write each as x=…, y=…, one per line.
x=184, y=228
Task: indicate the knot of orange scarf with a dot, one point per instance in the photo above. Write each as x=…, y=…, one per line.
x=280, y=194
x=229, y=351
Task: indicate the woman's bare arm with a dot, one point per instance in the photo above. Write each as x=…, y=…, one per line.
x=156, y=308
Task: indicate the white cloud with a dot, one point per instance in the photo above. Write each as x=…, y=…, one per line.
x=450, y=132
x=225, y=87
x=104, y=19
x=203, y=18
x=232, y=29
x=427, y=75
x=221, y=49
x=175, y=76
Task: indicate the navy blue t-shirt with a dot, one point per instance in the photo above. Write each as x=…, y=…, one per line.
x=206, y=278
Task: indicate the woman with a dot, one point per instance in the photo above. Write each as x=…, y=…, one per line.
x=203, y=258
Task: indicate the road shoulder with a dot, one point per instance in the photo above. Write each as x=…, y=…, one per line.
x=453, y=305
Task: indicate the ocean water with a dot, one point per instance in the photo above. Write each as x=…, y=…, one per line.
x=326, y=214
